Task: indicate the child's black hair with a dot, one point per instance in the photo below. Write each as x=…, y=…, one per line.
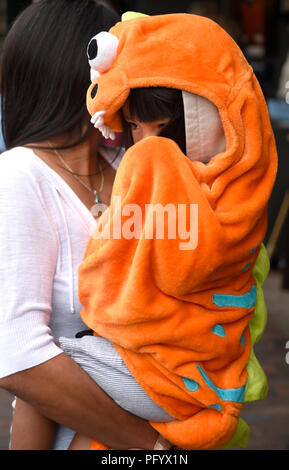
x=155, y=103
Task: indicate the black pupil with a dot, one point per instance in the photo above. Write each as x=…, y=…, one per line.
x=94, y=91
x=92, y=49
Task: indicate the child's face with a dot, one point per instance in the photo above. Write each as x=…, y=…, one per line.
x=140, y=130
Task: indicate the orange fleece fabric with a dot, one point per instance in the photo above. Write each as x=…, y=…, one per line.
x=179, y=318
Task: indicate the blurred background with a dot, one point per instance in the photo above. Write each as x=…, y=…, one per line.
x=261, y=29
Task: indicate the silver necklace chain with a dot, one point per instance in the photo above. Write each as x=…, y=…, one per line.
x=95, y=193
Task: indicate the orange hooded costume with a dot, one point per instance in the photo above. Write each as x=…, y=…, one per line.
x=184, y=319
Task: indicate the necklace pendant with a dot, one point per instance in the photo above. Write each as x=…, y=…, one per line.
x=96, y=197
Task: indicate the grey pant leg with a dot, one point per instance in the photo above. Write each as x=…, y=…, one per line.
x=100, y=360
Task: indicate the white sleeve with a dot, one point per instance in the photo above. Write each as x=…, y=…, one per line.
x=28, y=256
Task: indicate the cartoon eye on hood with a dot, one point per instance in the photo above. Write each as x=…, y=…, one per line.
x=101, y=52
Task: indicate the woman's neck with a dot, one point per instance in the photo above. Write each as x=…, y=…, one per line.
x=80, y=158
x=83, y=160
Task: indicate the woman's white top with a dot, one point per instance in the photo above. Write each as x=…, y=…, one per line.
x=44, y=230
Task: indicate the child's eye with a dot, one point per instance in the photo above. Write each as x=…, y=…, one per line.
x=133, y=125
x=163, y=124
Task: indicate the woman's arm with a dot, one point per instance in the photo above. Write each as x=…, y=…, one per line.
x=31, y=365
x=60, y=390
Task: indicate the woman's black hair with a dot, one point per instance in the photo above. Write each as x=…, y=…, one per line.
x=156, y=103
x=45, y=72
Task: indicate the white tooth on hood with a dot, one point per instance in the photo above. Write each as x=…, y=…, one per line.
x=97, y=118
x=112, y=135
x=107, y=132
x=97, y=121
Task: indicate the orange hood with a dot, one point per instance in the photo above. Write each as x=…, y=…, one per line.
x=183, y=319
